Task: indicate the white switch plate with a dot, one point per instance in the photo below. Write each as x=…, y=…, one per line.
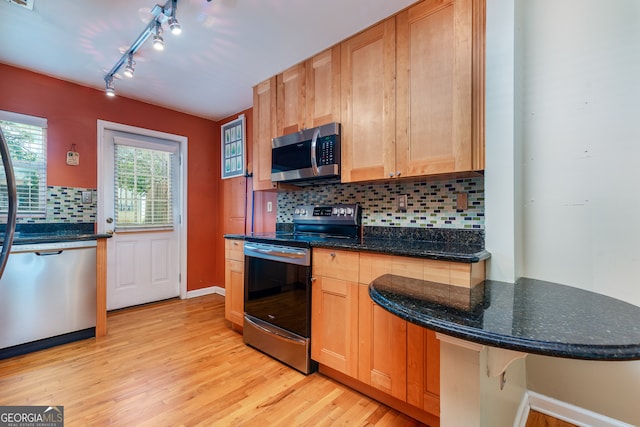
x=269, y=206
x=87, y=197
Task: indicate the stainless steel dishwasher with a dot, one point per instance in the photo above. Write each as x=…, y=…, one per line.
x=47, y=296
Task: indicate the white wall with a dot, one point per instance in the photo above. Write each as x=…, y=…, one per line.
x=578, y=67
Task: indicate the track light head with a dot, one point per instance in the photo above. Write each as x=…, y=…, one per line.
x=130, y=67
x=158, y=41
x=174, y=26
x=110, y=89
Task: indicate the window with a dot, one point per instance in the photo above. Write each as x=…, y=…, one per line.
x=143, y=187
x=27, y=140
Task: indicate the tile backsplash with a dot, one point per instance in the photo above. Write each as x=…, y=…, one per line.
x=64, y=205
x=429, y=203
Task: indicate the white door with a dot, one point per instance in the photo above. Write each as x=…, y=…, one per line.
x=141, y=206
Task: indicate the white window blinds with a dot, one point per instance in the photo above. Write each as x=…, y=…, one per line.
x=143, y=188
x=27, y=140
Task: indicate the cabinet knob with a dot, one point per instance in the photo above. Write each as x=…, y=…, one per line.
x=333, y=254
x=313, y=279
x=398, y=173
x=391, y=175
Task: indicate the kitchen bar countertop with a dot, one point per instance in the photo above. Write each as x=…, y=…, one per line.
x=531, y=316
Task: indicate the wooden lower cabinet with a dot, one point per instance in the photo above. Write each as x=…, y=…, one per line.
x=334, y=324
x=382, y=339
x=334, y=305
x=234, y=281
x=357, y=342
x=423, y=369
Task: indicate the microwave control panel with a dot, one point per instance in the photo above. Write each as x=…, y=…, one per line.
x=327, y=150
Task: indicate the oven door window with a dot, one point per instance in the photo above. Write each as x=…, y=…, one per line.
x=279, y=293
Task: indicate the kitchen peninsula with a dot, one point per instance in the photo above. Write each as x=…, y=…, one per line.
x=530, y=316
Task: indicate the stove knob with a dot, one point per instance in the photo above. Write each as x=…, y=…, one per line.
x=342, y=211
x=296, y=212
x=303, y=211
x=350, y=211
x=335, y=211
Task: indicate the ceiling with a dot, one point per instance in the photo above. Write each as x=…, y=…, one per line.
x=226, y=46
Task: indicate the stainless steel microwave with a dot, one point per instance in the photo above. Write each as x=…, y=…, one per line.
x=307, y=156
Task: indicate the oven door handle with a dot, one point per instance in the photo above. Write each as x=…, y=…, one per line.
x=276, y=253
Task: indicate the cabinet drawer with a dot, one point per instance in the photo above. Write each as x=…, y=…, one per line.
x=234, y=249
x=336, y=264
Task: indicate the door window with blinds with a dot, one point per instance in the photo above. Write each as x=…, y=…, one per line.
x=26, y=137
x=145, y=183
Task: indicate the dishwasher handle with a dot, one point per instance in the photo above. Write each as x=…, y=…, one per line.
x=48, y=253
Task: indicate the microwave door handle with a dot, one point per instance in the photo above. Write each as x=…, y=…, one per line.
x=314, y=144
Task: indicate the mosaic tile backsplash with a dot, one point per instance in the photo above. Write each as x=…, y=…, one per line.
x=429, y=204
x=64, y=205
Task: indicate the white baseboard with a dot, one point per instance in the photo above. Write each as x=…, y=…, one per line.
x=206, y=291
x=563, y=411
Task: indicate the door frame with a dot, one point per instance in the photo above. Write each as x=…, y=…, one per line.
x=182, y=141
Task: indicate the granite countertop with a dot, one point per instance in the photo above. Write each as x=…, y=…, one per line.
x=531, y=316
x=448, y=245
x=445, y=251
x=27, y=234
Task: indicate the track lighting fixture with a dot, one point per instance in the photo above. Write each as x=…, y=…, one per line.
x=130, y=67
x=158, y=41
x=161, y=15
x=110, y=89
x=174, y=26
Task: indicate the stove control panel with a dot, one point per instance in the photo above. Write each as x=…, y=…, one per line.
x=328, y=214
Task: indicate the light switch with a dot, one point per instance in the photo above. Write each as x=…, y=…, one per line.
x=402, y=203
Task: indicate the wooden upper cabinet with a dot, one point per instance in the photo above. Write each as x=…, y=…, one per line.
x=291, y=100
x=323, y=88
x=368, y=104
x=264, y=128
x=439, y=127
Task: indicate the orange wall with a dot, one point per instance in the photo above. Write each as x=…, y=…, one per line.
x=234, y=195
x=72, y=112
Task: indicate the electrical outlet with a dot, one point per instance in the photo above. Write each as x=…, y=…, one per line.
x=87, y=197
x=402, y=203
x=269, y=206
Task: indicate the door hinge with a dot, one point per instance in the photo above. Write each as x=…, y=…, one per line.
x=179, y=277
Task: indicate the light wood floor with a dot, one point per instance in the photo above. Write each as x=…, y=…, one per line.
x=538, y=419
x=177, y=363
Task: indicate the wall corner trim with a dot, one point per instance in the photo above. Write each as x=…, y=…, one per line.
x=206, y=291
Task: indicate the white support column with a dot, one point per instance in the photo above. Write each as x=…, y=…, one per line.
x=469, y=374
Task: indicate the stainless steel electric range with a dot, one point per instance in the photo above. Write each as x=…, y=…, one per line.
x=278, y=267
